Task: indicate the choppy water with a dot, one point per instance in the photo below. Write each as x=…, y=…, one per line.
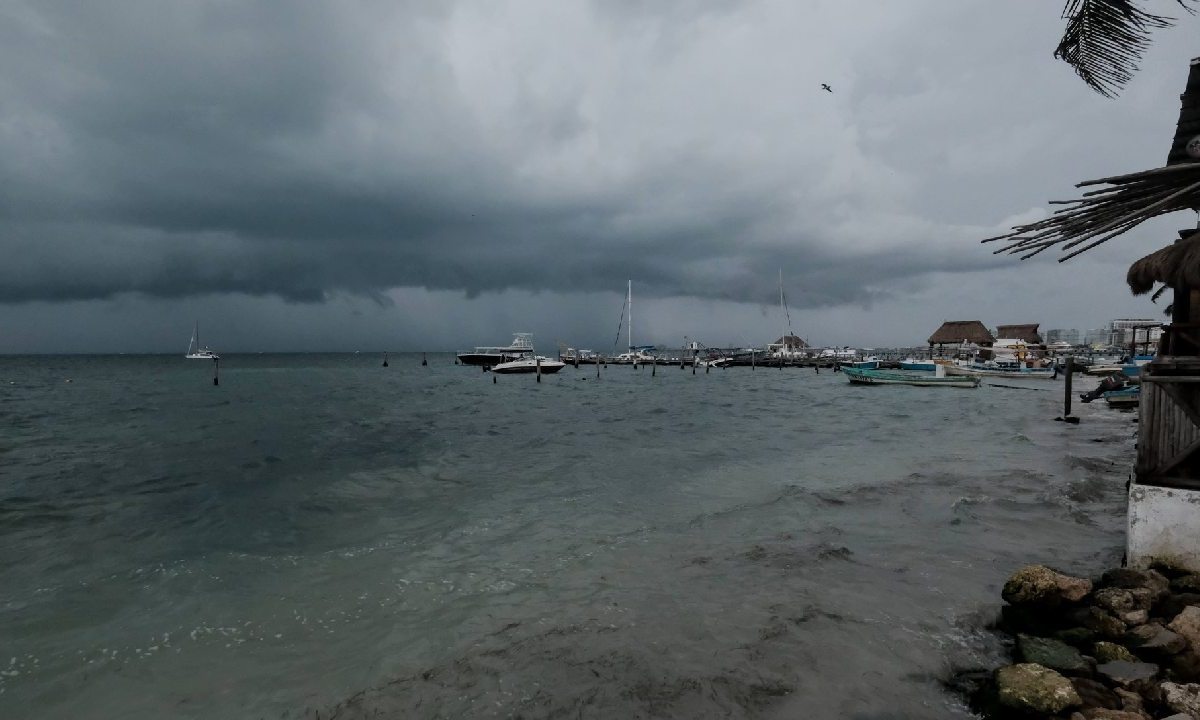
x=323, y=535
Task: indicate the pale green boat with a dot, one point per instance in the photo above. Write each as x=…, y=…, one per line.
x=889, y=377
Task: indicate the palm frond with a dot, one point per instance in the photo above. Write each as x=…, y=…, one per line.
x=1104, y=40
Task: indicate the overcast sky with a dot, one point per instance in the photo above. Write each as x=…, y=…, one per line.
x=434, y=175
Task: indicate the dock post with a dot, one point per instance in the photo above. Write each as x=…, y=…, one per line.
x=537, y=361
x=385, y=362
x=693, y=366
x=597, y=367
x=1067, y=386
x=654, y=369
x=751, y=359
x=216, y=367
x=425, y=361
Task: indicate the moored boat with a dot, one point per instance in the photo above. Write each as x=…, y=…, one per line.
x=917, y=365
x=1125, y=397
x=867, y=363
x=866, y=376
x=530, y=364
x=521, y=346
x=1002, y=368
x=195, y=351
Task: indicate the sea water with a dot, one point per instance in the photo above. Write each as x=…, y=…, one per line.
x=322, y=536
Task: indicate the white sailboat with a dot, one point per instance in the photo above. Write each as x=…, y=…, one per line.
x=195, y=352
x=636, y=355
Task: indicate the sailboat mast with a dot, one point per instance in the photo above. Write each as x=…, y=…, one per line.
x=783, y=339
x=630, y=301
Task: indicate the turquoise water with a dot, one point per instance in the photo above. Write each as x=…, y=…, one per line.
x=323, y=536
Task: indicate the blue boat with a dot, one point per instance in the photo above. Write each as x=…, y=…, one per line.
x=864, y=376
x=1125, y=397
x=917, y=365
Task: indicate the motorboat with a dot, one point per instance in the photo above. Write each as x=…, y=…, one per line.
x=529, y=364
x=867, y=363
x=870, y=376
x=490, y=356
x=999, y=368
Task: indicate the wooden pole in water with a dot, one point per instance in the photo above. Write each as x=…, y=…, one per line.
x=425, y=361
x=682, y=350
x=385, y=364
x=654, y=368
x=1067, y=386
x=751, y=359
x=597, y=367
x=537, y=361
x=216, y=368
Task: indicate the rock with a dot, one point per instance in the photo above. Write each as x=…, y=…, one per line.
x=1129, y=578
x=1114, y=600
x=1032, y=688
x=1179, y=716
x=1154, y=641
x=1186, y=584
x=1182, y=698
x=1051, y=653
x=1109, y=651
x=1131, y=701
x=1172, y=605
x=1127, y=674
x=1187, y=624
x=1185, y=667
x=1039, y=585
x=1104, y=624
x=1135, y=617
x=1105, y=714
x=1030, y=619
x=1080, y=637
x=1143, y=598
x=1095, y=694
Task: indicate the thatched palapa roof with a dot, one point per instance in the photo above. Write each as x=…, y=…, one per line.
x=956, y=331
x=1128, y=200
x=1027, y=333
x=1175, y=266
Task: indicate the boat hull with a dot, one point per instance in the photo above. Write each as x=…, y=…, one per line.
x=863, y=376
x=548, y=367
x=1027, y=374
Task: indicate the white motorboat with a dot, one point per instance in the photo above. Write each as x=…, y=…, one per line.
x=488, y=356
x=195, y=352
x=530, y=364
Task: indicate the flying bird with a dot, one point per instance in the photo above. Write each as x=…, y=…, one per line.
x=826, y=88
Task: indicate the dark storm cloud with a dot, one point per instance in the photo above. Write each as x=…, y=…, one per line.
x=304, y=150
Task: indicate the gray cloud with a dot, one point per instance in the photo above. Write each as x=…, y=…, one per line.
x=316, y=150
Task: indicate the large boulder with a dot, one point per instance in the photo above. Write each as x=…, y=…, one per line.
x=1095, y=694
x=1108, y=651
x=1154, y=641
x=1189, y=583
x=1187, y=624
x=1039, y=585
x=1130, y=578
x=1106, y=714
x=1099, y=621
x=1182, y=698
x=1051, y=653
x=1114, y=600
x=1172, y=605
x=1031, y=688
x=1129, y=675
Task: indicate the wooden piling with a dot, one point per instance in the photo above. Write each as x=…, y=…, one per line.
x=425, y=361
x=1067, y=386
x=537, y=362
x=216, y=369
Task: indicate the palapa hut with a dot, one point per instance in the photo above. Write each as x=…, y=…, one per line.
x=1027, y=333
x=1162, y=521
x=958, y=332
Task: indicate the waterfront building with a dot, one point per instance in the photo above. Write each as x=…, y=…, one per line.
x=1068, y=336
x=956, y=333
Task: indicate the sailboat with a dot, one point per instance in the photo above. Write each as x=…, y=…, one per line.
x=636, y=355
x=195, y=352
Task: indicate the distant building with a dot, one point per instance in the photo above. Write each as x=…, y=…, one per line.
x=1097, y=336
x=791, y=345
x=1070, y=337
x=1121, y=332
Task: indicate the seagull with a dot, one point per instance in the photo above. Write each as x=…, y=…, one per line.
x=826, y=88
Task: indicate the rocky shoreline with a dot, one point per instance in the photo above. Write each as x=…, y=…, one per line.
x=1124, y=647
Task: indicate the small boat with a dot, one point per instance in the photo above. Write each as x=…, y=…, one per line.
x=521, y=346
x=195, y=352
x=1000, y=368
x=867, y=363
x=866, y=376
x=530, y=364
x=1124, y=398
x=917, y=365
